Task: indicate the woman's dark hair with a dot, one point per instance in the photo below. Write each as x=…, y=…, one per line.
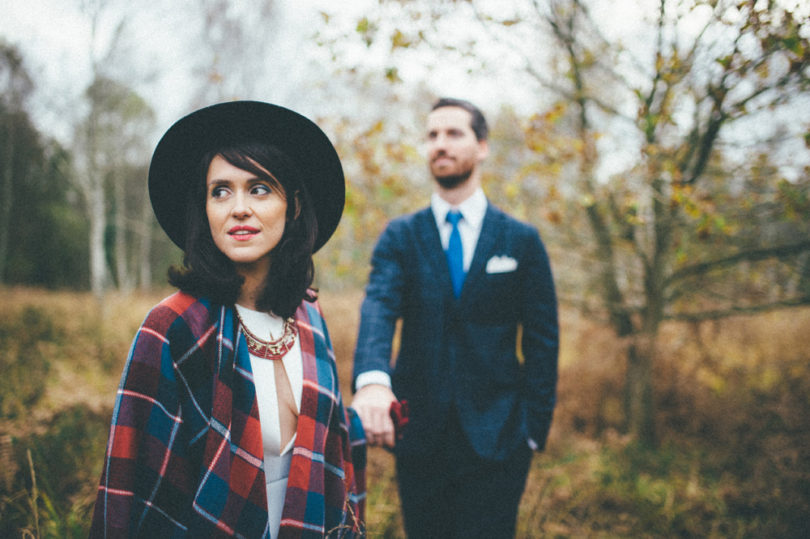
x=207, y=272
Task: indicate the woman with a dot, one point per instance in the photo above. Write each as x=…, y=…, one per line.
x=228, y=419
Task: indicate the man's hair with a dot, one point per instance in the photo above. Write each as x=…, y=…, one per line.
x=478, y=123
x=207, y=272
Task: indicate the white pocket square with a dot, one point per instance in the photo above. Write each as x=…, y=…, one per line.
x=501, y=264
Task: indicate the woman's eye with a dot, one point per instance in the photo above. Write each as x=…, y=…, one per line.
x=218, y=192
x=261, y=189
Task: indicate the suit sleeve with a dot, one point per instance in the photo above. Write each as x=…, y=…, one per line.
x=381, y=306
x=540, y=342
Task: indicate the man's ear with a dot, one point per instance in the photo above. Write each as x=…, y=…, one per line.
x=483, y=149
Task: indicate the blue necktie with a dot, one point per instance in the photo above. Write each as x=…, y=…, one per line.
x=455, y=253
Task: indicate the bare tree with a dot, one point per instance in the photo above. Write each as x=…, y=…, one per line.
x=234, y=50
x=747, y=59
x=109, y=142
x=88, y=177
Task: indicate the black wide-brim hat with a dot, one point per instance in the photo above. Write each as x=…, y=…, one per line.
x=176, y=161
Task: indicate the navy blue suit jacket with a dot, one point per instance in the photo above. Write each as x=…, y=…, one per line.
x=460, y=354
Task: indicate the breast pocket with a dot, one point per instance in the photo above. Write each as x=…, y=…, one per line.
x=495, y=299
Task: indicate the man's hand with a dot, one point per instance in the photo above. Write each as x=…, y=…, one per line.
x=373, y=404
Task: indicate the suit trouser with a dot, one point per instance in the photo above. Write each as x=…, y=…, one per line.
x=453, y=492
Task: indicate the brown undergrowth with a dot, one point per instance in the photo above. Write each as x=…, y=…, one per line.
x=733, y=417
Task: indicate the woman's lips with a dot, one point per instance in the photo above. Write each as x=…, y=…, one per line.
x=243, y=233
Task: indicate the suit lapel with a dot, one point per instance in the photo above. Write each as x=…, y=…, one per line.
x=487, y=240
x=426, y=231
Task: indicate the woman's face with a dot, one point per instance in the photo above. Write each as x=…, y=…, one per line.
x=246, y=215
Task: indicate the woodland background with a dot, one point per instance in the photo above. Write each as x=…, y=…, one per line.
x=661, y=148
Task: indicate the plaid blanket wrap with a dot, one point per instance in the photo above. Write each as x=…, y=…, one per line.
x=184, y=456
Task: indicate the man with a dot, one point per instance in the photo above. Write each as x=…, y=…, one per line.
x=463, y=276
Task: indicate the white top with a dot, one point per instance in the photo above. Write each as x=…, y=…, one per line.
x=276, y=458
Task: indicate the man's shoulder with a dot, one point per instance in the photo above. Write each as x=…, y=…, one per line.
x=413, y=216
x=408, y=221
x=505, y=219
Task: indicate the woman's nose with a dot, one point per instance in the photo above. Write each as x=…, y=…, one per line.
x=241, y=206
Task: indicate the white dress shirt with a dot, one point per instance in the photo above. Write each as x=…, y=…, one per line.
x=469, y=227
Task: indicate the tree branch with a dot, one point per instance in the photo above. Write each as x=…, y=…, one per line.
x=799, y=301
x=750, y=255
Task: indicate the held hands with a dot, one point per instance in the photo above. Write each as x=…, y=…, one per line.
x=373, y=404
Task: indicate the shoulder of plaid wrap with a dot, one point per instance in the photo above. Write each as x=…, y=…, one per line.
x=184, y=455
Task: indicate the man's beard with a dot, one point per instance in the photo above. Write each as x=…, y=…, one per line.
x=454, y=180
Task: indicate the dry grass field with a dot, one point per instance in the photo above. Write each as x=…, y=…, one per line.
x=733, y=418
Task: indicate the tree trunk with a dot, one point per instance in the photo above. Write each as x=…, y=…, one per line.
x=122, y=272
x=639, y=402
x=5, y=199
x=98, y=223
x=145, y=245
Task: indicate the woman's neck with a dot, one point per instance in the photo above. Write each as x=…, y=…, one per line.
x=251, y=290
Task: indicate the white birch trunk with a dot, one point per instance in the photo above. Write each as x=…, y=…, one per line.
x=145, y=245
x=121, y=248
x=98, y=223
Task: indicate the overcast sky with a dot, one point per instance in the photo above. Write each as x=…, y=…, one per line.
x=54, y=37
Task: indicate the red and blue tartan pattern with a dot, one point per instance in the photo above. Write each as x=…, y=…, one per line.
x=184, y=456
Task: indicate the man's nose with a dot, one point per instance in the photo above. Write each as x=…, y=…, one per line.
x=438, y=143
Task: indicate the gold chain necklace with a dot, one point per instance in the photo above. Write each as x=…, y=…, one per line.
x=270, y=349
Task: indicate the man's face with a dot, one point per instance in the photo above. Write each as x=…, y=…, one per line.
x=453, y=150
